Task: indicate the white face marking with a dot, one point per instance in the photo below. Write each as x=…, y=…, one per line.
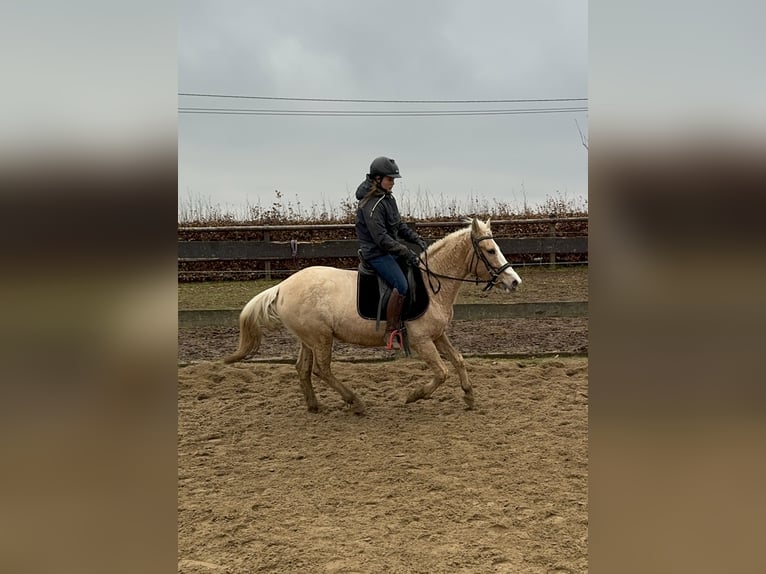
x=509, y=279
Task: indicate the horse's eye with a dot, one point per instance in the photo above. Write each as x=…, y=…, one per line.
x=491, y=251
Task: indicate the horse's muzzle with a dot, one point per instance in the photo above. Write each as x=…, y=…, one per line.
x=508, y=288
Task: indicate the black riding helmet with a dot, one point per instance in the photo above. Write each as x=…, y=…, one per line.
x=384, y=166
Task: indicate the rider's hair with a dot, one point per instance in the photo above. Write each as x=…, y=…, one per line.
x=369, y=195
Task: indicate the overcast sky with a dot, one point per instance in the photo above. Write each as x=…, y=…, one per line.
x=397, y=50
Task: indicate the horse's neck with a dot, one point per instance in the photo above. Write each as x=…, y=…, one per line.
x=453, y=259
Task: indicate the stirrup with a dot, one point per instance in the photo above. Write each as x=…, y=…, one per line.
x=394, y=336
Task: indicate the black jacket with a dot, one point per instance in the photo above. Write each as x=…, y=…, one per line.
x=379, y=225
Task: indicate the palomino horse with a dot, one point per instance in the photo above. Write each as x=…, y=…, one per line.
x=316, y=304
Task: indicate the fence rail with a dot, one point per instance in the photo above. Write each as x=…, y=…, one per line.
x=349, y=226
x=266, y=251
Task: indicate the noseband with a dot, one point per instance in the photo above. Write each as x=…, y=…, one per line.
x=494, y=272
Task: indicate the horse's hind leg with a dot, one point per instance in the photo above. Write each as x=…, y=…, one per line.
x=427, y=351
x=304, y=366
x=453, y=355
x=322, y=359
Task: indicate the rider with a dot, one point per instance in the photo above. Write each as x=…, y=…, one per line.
x=378, y=228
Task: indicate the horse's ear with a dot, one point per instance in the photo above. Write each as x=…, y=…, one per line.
x=488, y=220
x=475, y=227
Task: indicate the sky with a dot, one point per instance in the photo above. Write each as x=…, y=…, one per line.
x=398, y=50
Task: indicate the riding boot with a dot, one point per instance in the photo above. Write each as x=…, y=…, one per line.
x=393, y=316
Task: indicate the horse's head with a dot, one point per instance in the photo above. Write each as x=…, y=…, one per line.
x=491, y=265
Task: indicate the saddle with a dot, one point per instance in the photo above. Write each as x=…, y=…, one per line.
x=373, y=293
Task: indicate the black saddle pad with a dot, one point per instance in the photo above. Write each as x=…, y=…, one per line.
x=368, y=295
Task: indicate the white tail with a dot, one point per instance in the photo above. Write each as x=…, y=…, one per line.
x=258, y=315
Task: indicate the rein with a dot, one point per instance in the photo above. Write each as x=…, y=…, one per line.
x=494, y=272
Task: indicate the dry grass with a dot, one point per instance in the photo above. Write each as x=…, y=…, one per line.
x=414, y=206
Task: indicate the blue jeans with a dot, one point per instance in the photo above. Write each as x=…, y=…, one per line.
x=389, y=270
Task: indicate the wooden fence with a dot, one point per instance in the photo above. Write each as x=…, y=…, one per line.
x=265, y=250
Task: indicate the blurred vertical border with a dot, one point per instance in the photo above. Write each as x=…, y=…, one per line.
x=677, y=183
x=87, y=200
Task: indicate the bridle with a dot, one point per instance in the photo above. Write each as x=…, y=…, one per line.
x=477, y=255
x=494, y=272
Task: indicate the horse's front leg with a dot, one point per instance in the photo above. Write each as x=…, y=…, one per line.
x=453, y=355
x=426, y=350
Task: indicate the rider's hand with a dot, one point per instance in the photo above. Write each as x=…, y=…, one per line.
x=413, y=259
x=422, y=244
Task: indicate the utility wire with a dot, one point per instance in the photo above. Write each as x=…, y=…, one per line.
x=378, y=113
x=197, y=95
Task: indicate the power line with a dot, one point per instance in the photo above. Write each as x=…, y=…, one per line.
x=376, y=113
x=516, y=101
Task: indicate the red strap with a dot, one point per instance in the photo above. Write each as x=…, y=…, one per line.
x=395, y=334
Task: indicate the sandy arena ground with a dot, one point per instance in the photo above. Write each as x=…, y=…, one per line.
x=427, y=487
x=265, y=486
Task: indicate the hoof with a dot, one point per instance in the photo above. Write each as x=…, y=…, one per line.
x=468, y=402
x=357, y=407
x=415, y=395
x=313, y=408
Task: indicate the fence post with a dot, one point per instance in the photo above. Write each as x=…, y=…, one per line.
x=267, y=264
x=552, y=230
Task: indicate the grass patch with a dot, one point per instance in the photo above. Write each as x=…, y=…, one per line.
x=564, y=283
x=220, y=294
